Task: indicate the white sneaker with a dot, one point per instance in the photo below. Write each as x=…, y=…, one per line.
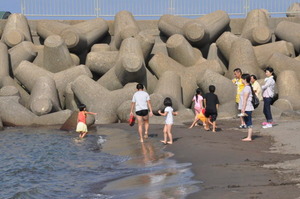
x=267, y=126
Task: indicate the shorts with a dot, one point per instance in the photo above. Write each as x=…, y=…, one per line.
x=142, y=112
x=248, y=119
x=81, y=127
x=201, y=117
x=211, y=115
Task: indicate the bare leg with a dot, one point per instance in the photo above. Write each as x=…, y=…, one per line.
x=214, y=126
x=140, y=127
x=206, y=124
x=146, y=124
x=169, y=131
x=165, y=135
x=195, y=122
x=242, y=121
x=84, y=134
x=249, y=137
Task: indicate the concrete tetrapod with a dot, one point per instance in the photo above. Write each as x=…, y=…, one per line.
x=264, y=52
x=24, y=74
x=280, y=63
x=289, y=31
x=215, y=54
x=171, y=24
x=293, y=10
x=129, y=67
x=161, y=63
x=169, y=85
x=82, y=36
x=181, y=50
x=225, y=90
x=24, y=96
x=206, y=29
x=101, y=62
x=224, y=43
x=23, y=51
x=288, y=88
x=46, y=28
x=256, y=27
x=100, y=100
x=125, y=26
x=16, y=30
x=242, y=56
x=55, y=46
x=4, y=63
x=44, y=97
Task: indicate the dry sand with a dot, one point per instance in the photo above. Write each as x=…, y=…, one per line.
x=267, y=167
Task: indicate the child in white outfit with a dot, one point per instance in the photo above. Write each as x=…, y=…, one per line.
x=168, y=113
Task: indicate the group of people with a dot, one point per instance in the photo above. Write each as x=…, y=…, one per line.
x=247, y=86
x=205, y=107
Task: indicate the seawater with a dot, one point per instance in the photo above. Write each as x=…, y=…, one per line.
x=45, y=162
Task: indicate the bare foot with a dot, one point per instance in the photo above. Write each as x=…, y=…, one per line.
x=146, y=135
x=169, y=142
x=142, y=140
x=247, y=140
x=163, y=141
x=214, y=131
x=190, y=127
x=196, y=124
x=207, y=129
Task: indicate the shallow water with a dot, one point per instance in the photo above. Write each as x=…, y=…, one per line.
x=108, y=163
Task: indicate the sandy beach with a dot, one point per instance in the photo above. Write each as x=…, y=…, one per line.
x=267, y=167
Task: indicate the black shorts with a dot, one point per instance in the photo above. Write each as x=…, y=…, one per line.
x=212, y=116
x=142, y=112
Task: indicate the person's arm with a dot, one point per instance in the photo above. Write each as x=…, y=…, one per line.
x=175, y=113
x=266, y=85
x=163, y=114
x=92, y=113
x=245, y=98
x=204, y=102
x=150, y=108
x=131, y=108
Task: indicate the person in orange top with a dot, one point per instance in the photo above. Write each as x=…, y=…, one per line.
x=81, y=121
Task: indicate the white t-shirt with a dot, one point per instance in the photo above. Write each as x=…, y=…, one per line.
x=249, y=105
x=198, y=103
x=169, y=116
x=140, y=98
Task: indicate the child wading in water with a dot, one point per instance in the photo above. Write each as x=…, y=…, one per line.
x=81, y=121
x=168, y=113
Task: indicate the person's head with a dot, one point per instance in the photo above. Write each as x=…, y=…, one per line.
x=211, y=88
x=139, y=86
x=198, y=91
x=246, y=78
x=168, y=101
x=270, y=72
x=82, y=107
x=253, y=78
x=237, y=73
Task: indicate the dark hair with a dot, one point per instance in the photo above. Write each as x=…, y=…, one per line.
x=198, y=92
x=139, y=86
x=246, y=77
x=168, y=101
x=81, y=107
x=211, y=88
x=271, y=70
x=237, y=70
x=254, y=77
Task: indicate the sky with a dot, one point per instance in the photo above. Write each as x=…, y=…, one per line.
x=155, y=8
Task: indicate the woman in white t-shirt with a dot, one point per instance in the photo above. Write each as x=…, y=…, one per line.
x=168, y=113
x=246, y=106
x=143, y=109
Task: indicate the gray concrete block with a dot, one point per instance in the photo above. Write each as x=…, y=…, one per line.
x=16, y=30
x=290, y=32
x=100, y=100
x=44, y=96
x=256, y=27
x=56, y=56
x=23, y=51
x=4, y=63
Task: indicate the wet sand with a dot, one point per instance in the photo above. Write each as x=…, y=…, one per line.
x=230, y=168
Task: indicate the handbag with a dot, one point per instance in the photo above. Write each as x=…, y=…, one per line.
x=131, y=120
x=255, y=100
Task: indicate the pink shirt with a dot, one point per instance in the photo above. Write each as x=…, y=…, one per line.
x=198, y=103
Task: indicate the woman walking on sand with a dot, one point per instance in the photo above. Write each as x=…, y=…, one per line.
x=143, y=109
x=246, y=106
x=268, y=94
